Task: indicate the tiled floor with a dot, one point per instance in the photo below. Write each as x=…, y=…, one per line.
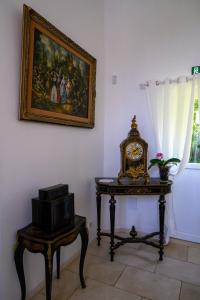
x=136, y=274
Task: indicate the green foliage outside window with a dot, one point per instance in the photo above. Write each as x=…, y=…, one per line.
x=195, y=146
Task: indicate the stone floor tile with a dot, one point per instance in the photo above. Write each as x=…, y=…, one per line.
x=173, y=250
x=194, y=255
x=39, y=296
x=189, y=292
x=64, y=287
x=180, y=270
x=105, y=240
x=102, y=250
x=149, y=285
x=176, y=251
x=185, y=243
x=99, y=269
x=136, y=258
x=148, y=248
x=98, y=291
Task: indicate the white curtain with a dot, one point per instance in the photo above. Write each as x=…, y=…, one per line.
x=170, y=105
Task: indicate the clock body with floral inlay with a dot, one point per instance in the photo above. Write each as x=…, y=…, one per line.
x=134, y=156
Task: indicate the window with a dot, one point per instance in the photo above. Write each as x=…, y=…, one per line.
x=195, y=145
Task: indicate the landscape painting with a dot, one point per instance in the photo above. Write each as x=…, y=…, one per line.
x=61, y=76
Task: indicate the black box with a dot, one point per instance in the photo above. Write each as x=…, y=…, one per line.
x=50, y=215
x=53, y=192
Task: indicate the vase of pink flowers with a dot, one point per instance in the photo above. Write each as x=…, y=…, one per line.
x=163, y=165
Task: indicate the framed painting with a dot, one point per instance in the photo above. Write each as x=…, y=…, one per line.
x=58, y=77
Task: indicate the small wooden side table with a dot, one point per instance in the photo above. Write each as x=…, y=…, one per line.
x=37, y=241
x=113, y=188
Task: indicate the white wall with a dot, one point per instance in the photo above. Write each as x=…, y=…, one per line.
x=35, y=155
x=148, y=40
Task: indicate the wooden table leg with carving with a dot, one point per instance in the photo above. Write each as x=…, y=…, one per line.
x=162, y=220
x=48, y=255
x=112, y=226
x=58, y=262
x=18, y=256
x=98, y=199
x=84, y=241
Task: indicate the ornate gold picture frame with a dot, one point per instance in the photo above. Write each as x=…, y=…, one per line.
x=58, y=77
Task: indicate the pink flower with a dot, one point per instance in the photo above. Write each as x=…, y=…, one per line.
x=159, y=155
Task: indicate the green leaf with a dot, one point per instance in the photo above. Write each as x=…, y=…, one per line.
x=155, y=161
x=149, y=167
x=172, y=160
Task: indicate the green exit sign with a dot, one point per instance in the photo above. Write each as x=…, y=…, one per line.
x=196, y=70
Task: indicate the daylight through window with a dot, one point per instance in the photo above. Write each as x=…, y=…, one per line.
x=195, y=145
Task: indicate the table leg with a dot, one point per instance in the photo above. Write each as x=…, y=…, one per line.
x=84, y=241
x=58, y=262
x=162, y=219
x=48, y=271
x=18, y=256
x=112, y=226
x=98, y=218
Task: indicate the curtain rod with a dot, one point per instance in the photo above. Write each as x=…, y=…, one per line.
x=159, y=82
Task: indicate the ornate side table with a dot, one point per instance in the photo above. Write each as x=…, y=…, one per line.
x=113, y=188
x=37, y=241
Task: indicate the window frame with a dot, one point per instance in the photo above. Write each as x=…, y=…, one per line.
x=194, y=166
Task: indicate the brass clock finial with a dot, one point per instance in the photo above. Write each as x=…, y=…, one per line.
x=134, y=124
x=134, y=131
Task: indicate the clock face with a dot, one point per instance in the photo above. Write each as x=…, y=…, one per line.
x=134, y=151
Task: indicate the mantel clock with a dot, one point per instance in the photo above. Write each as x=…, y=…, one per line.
x=134, y=156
